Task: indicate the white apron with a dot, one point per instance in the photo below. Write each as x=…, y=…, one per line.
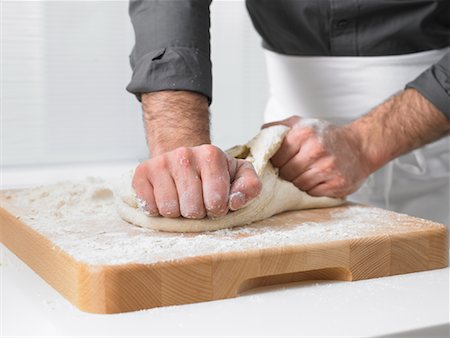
x=341, y=89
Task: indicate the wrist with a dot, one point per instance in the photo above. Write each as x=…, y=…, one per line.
x=159, y=145
x=402, y=123
x=373, y=137
x=368, y=160
x=175, y=119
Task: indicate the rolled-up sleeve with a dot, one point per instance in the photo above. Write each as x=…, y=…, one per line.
x=434, y=84
x=172, y=46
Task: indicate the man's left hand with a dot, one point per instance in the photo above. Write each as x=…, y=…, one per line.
x=320, y=158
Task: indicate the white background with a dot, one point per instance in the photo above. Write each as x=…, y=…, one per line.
x=64, y=72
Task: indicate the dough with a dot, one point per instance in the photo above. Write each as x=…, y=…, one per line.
x=277, y=195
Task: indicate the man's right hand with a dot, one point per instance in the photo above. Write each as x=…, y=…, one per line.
x=194, y=182
x=187, y=176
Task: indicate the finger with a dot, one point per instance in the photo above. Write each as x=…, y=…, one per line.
x=286, y=152
x=215, y=179
x=336, y=186
x=271, y=124
x=289, y=147
x=298, y=139
x=144, y=191
x=310, y=154
x=323, y=189
x=245, y=186
x=188, y=185
x=309, y=179
x=165, y=192
x=295, y=167
x=289, y=122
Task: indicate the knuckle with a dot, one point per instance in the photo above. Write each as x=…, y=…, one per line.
x=183, y=155
x=319, y=151
x=246, y=165
x=216, y=203
x=299, y=182
x=328, y=166
x=255, y=183
x=339, y=183
x=158, y=163
x=210, y=152
x=252, y=185
x=141, y=170
x=313, y=156
x=303, y=132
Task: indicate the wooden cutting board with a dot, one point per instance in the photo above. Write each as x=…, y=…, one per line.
x=103, y=265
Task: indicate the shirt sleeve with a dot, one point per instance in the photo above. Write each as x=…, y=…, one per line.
x=434, y=84
x=172, y=46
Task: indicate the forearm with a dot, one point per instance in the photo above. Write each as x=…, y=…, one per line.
x=185, y=176
x=401, y=124
x=175, y=119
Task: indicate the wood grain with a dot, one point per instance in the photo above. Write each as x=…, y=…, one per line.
x=130, y=287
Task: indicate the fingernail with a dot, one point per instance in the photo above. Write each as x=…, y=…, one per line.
x=237, y=200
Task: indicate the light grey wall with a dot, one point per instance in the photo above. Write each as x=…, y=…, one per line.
x=65, y=69
x=240, y=84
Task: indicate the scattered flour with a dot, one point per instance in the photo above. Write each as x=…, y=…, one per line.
x=80, y=218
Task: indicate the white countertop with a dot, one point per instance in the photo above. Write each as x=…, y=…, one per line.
x=405, y=305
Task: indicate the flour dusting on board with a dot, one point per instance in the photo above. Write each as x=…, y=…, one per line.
x=80, y=218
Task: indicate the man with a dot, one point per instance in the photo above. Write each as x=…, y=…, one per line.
x=375, y=48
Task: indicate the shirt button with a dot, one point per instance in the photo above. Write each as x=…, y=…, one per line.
x=342, y=24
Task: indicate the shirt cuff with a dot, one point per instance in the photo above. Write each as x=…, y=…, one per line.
x=434, y=84
x=172, y=68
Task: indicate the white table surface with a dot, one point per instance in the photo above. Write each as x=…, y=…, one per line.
x=399, y=306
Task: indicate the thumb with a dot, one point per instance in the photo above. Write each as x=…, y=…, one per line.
x=245, y=185
x=289, y=122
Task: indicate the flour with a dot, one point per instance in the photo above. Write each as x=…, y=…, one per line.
x=80, y=218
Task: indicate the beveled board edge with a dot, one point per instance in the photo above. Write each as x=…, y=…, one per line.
x=130, y=287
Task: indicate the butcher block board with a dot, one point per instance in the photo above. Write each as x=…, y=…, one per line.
x=70, y=234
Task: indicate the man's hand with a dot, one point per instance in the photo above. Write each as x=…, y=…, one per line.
x=328, y=160
x=320, y=158
x=195, y=182
x=186, y=176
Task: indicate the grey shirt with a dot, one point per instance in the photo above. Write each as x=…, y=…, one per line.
x=172, y=41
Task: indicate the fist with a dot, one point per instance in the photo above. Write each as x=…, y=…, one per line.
x=320, y=158
x=194, y=182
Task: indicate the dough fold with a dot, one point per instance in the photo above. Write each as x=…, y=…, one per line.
x=277, y=195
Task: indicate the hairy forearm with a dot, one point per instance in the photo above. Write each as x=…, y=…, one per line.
x=174, y=119
x=403, y=123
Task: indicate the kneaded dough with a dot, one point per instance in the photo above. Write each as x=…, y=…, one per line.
x=277, y=195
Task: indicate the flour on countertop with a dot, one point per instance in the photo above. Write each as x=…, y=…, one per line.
x=80, y=218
